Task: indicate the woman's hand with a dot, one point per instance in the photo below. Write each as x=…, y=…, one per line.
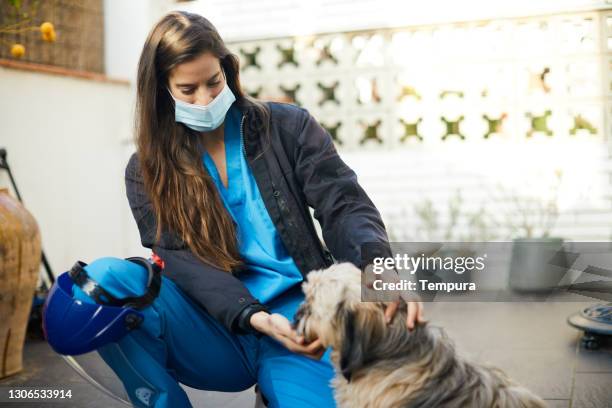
x=414, y=315
x=279, y=328
x=415, y=306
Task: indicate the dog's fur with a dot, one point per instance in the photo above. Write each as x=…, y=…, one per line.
x=386, y=365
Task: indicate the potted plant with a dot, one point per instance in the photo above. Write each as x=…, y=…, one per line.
x=537, y=260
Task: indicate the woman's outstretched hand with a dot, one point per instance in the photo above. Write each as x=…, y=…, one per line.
x=415, y=306
x=414, y=314
x=279, y=328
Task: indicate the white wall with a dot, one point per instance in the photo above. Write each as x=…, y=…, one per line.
x=126, y=26
x=239, y=20
x=66, y=142
x=499, y=56
x=69, y=139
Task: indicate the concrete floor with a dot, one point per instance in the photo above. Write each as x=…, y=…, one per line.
x=530, y=341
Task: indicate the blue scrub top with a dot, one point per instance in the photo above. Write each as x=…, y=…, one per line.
x=270, y=270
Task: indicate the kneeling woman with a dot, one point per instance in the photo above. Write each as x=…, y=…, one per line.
x=220, y=188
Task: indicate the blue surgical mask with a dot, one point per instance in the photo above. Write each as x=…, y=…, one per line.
x=204, y=118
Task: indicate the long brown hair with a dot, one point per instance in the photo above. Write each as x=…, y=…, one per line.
x=184, y=197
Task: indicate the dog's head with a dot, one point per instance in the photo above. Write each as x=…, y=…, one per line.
x=333, y=312
x=329, y=295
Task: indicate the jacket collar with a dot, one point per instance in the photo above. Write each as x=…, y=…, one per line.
x=251, y=133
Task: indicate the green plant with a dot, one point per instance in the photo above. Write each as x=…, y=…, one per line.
x=533, y=216
x=480, y=223
x=427, y=214
x=482, y=226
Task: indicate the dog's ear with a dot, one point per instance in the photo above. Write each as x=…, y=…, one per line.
x=352, y=353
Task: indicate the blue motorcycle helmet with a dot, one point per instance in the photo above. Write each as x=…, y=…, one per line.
x=73, y=326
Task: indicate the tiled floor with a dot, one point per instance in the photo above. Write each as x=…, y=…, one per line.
x=534, y=345
x=531, y=341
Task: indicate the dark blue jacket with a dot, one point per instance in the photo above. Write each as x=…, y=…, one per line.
x=298, y=168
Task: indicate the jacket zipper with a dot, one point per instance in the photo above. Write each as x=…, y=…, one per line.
x=326, y=255
x=275, y=192
x=242, y=148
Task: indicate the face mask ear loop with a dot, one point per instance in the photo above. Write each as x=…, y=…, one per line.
x=171, y=97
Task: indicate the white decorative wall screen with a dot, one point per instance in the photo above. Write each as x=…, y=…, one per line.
x=478, y=115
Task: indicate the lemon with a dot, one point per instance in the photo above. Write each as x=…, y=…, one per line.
x=46, y=27
x=17, y=50
x=50, y=36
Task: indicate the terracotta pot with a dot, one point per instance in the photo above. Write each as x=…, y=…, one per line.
x=20, y=254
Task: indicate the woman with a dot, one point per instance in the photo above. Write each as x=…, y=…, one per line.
x=220, y=188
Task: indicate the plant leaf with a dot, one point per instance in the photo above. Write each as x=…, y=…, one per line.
x=15, y=3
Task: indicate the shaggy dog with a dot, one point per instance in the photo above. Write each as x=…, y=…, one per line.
x=386, y=365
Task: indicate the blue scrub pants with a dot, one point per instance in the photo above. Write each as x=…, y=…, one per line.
x=180, y=342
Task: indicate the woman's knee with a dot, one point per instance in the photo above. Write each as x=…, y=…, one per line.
x=296, y=381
